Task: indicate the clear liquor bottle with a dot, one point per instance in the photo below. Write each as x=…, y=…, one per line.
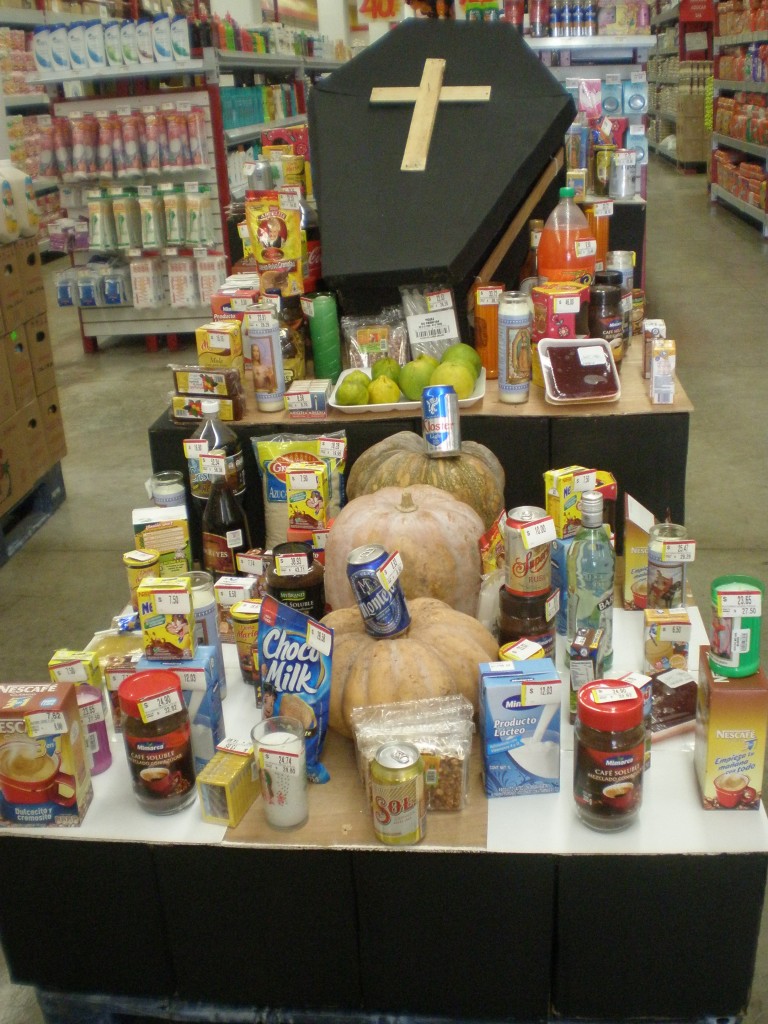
x=591, y=570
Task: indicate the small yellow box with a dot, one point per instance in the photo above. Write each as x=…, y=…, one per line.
x=564, y=487
x=666, y=639
x=167, y=617
x=228, y=784
x=217, y=361
x=220, y=337
x=76, y=667
x=306, y=491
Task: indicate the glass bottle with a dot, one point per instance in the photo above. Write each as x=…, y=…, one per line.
x=293, y=336
x=222, y=443
x=529, y=272
x=591, y=567
x=225, y=530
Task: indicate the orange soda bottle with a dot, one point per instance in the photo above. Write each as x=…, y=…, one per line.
x=567, y=247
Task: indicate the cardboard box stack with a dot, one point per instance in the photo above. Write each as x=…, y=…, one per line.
x=31, y=428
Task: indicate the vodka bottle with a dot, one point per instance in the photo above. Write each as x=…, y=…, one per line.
x=591, y=569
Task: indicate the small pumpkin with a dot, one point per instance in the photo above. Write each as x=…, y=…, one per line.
x=475, y=477
x=436, y=535
x=437, y=655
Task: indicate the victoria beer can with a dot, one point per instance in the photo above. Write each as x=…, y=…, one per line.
x=440, y=420
x=528, y=570
x=398, y=797
x=384, y=611
x=514, y=347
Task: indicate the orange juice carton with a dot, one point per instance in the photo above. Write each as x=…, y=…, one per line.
x=306, y=491
x=652, y=331
x=663, y=360
x=563, y=491
x=228, y=590
x=66, y=666
x=666, y=640
x=730, y=738
x=164, y=529
x=167, y=618
x=559, y=311
x=637, y=527
x=220, y=337
x=44, y=775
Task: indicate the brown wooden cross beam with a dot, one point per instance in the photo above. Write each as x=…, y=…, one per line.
x=426, y=97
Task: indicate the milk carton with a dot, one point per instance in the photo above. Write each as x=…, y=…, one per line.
x=520, y=727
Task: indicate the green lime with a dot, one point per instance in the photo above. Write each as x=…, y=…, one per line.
x=465, y=354
x=386, y=367
x=383, y=390
x=352, y=391
x=456, y=373
x=414, y=376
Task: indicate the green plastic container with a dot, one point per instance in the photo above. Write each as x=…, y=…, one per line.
x=734, y=634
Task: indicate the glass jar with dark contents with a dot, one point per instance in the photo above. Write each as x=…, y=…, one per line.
x=296, y=579
x=158, y=740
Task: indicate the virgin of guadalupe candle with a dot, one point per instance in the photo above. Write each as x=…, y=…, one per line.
x=278, y=749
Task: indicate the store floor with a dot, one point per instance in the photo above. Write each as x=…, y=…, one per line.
x=706, y=277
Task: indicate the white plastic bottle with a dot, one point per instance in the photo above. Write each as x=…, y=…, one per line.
x=26, y=213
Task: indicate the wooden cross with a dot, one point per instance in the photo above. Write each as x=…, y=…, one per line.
x=426, y=97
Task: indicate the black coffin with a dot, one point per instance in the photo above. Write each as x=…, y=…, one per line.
x=382, y=226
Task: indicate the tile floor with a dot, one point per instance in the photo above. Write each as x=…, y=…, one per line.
x=706, y=276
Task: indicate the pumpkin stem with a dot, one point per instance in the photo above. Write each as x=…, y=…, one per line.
x=407, y=503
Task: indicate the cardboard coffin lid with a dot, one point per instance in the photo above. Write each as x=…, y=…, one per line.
x=386, y=226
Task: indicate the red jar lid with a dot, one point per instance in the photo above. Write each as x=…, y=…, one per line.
x=609, y=705
x=155, y=682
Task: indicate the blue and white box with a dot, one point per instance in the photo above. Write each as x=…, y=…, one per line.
x=559, y=561
x=520, y=727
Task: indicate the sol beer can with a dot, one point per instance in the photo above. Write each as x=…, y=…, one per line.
x=514, y=347
x=529, y=570
x=398, y=797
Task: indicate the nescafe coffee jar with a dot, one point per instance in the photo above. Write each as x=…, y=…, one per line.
x=158, y=740
x=296, y=579
x=609, y=752
x=605, y=318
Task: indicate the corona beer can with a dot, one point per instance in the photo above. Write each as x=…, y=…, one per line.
x=440, y=421
x=514, y=347
x=383, y=608
x=398, y=797
x=528, y=570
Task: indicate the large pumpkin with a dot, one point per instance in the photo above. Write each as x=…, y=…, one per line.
x=437, y=655
x=476, y=476
x=436, y=535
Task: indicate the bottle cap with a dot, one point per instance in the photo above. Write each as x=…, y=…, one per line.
x=596, y=710
x=591, y=505
x=209, y=406
x=567, y=193
x=145, y=686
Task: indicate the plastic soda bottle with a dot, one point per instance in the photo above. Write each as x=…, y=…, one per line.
x=567, y=247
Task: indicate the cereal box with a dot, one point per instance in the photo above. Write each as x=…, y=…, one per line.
x=165, y=530
x=306, y=489
x=44, y=776
x=167, y=618
x=730, y=738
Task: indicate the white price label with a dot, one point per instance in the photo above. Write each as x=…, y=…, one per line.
x=292, y=565
x=542, y=531
x=219, y=341
x=233, y=746
x=191, y=678
x=213, y=465
x=524, y=650
x=249, y=608
x=46, y=723
x=625, y=159
x=388, y=573
x=439, y=300
x=741, y=641
x=289, y=201
x=735, y=603
x=191, y=187
x=488, y=296
x=228, y=596
x=300, y=400
x=552, y=605
x=234, y=539
x=135, y=254
x=572, y=83
x=92, y=714
x=626, y=303
x=586, y=247
x=586, y=481
x=302, y=479
x=72, y=672
x=251, y=564
x=172, y=603
x=171, y=251
x=606, y=127
x=307, y=306
x=678, y=632
x=319, y=539
x=678, y=550
x=199, y=252
x=332, y=448
x=194, y=448
x=437, y=326
x=532, y=694
x=259, y=321
x=567, y=304
x=140, y=556
x=319, y=638
x=155, y=708
x=638, y=76
x=603, y=209
x=611, y=694
x=637, y=129
x=114, y=679
x=613, y=79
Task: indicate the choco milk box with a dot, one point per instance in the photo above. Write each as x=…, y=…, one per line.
x=520, y=727
x=44, y=775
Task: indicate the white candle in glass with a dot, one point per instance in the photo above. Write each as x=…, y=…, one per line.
x=282, y=764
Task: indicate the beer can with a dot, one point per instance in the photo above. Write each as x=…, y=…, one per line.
x=383, y=608
x=514, y=347
x=398, y=798
x=440, y=420
x=528, y=570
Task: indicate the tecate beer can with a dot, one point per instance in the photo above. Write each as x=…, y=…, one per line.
x=398, y=798
x=384, y=611
x=514, y=347
x=440, y=420
x=528, y=570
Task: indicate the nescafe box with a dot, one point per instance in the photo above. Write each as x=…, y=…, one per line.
x=730, y=738
x=44, y=775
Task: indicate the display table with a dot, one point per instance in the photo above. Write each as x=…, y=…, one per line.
x=508, y=910
x=644, y=445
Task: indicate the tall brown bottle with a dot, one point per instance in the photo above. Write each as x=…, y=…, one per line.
x=225, y=530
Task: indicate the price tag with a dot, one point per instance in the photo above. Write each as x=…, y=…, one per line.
x=134, y=254
x=199, y=252
x=638, y=76
x=232, y=746
x=46, y=723
x=488, y=296
x=319, y=638
x=234, y=539
x=552, y=605
x=567, y=304
x=307, y=306
x=388, y=573
x=301, y=400
x=603, y=209
x=249, y=608
x=636, y=679
x=92, y=714
x=611, y=694
x=637, y=129
x=72, y=672
x=331, y=448
x=572, y=83
x=228, y=596
x=439, y=300
x=542, y=531
x=319, y=539
x=155, y=708
x=438, y=326
x=585, y=481
x=289, y=201
x=292, y=565
x=260, y=321
x=172, y=603
x=678, y=550
x=191, y=678
x=172, y=251
x=586, y=247
x=219, y=341
x=140, y=556
x=191, y=187
x=114, y=679
x=735, y=603
x=251, y=564
x=213, y=465
x=124, y=111
x=532, y=694
x=524, y=649
x=606, y=127
x=193, y=449
x=302, y=479
x=625, y=159
x=613, y=79
x=673, y=631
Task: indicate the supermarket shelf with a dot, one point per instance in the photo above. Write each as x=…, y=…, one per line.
x=635, y=200
x=25, y=100
x=251, y=131
x=591, y=42
x=742, y=37
x=106, y=321
x=45, y=185
x=17, y=18
x=729, y=84
x=269, y=63
x=738, y=204
x=663, y=81
x=664, y=17
x=170, y=69
x=741, y=144
x=623, y=70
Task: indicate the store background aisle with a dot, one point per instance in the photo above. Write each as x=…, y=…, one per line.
x=706, y=277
